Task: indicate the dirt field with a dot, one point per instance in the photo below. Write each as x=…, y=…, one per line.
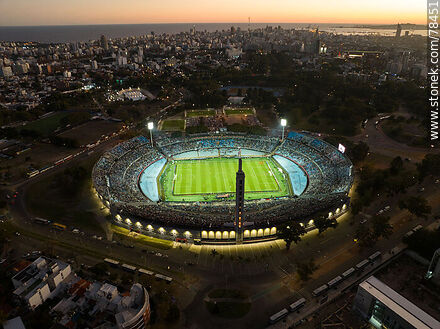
x=91, y=131
x=39, y=156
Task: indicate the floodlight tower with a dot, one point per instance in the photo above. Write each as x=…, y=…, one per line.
x=239, y=203
x=283, y=124
x=150, y=128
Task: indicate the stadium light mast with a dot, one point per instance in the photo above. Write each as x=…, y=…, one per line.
x=150, y=128
x=283, y=124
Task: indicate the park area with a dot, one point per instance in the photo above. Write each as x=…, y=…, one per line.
x=50, y=123
x=200, y=113
x=240, y=111
x=173, y=125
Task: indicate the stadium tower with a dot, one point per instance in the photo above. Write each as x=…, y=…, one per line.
x=239, y=203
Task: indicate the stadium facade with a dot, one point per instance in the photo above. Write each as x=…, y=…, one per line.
x=184, y=188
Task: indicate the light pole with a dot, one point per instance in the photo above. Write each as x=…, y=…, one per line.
x=150, y=128
x=283, y=124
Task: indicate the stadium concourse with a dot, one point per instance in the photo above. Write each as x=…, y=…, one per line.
x=183, y=188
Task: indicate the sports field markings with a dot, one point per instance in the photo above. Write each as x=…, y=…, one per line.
x=202, y=179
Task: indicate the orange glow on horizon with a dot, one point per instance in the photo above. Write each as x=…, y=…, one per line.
x=55, y=12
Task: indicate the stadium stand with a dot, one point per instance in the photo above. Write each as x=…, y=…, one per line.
x=118, y=174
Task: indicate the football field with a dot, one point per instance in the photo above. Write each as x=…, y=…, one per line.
x=218, y=176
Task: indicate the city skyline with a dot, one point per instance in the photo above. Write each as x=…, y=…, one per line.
x=51, y=12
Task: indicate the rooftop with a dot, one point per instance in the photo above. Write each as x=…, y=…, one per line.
x=400, y=305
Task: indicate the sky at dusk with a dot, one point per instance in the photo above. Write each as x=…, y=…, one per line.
x=70, y=12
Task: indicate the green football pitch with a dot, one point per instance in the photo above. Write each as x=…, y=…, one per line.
x=197, y=180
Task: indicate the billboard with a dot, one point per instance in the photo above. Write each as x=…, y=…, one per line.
x=341, y=148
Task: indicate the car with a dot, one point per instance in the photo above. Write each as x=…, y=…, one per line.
x=363, y=220
x=75, y=230
x=17, y=233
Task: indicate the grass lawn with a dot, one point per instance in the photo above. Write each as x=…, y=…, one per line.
x=47, y=125
x=147, y=240
x=193, y=180
x=199, y=113
x=173, y=125
x=410, y=132
x=239, y=111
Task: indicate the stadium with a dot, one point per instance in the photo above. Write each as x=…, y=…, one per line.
x=184, y=188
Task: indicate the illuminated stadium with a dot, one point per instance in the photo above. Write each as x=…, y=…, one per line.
x=184, y=188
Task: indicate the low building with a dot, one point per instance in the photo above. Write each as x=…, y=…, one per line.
x=385, y=308
x=40, y=280
x=132, y=94
x=102, y=305
x=15, y=323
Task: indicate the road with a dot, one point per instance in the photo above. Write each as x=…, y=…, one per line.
x=380, y=143
x=267, y=271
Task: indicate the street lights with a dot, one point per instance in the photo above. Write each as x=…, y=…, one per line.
x=283, y=124
x=150, y=128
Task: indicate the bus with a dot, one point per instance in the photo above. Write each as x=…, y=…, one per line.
x=320, y=290
x=43, y=221
x=59, y=227
x=278, y=316
x=33, y=173
x=374, y=256
x=348, y=272
x=408, y=234
x=297, y=305
x=164, y=277
x=417, y=228
x=361, y=265
x=112, y=262
x=144, y=271
x=128, y=268
x=334, y=282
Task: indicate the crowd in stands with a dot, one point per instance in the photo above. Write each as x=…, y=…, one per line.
x=116, y=176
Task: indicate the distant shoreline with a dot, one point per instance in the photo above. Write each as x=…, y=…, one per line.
x=83, y=33
x=406, y=26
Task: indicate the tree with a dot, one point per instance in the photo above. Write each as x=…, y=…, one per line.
x=396, y=165
x=323, y=223
x=365, y=236
x=306, y=269
x=359, y=152
x=416, y=205
x=430, y=166
x=291, y=233
x=381, y=226
x=173, y=313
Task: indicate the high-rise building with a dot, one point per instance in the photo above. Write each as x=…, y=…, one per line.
x=398, y=31
x=94, y=65
x=385, y=308
x=239, y=202
x=405, y=60
x=104, y=42
x=434, y=267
